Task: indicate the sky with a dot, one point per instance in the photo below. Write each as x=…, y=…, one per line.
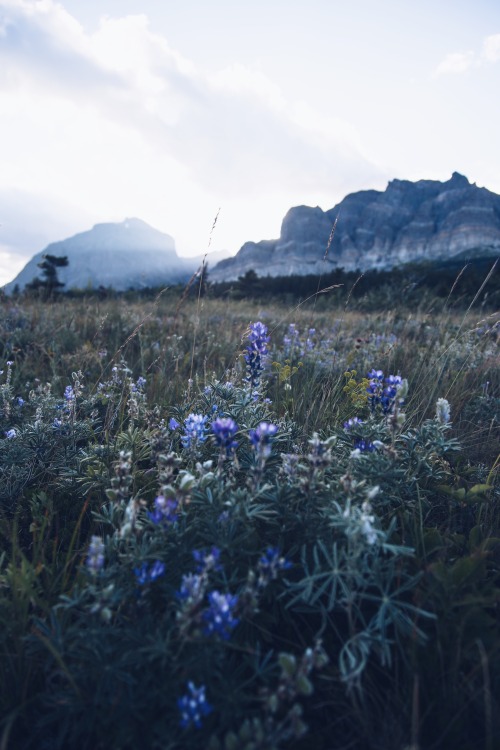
x=181, y=111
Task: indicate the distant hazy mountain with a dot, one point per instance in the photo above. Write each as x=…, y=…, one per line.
x=409, y=221
x=130, y=254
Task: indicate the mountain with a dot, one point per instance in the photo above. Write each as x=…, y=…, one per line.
x=408, y=222
x=130, y=254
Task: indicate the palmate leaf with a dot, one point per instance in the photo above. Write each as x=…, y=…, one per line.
x=324, y=581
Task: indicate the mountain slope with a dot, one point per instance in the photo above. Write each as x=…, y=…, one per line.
x=130, y=254
x=408, y=222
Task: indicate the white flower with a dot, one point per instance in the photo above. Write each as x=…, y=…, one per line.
x=442, y=411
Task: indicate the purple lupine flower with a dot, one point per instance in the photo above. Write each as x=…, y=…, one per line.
x=69, y=393
x=10, y=434
x=375, y=375
x=147, y=574
x=310, y=345
x=164, y=510
x=219, y=618
x=173, y=424
x=191, y=588
x=207, y=559
x=261, y=438
x=392, y=385
x=383, y=395
x=141, y=382
x=365, y=446
x=195, y=431
x=353, y=422
x=193, y=706
x=95, y=555
x=20, y=401
x=256, y=352
x=224, y=429
x=270, y=564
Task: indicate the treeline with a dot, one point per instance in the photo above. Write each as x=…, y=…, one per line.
x=406, y=286
x=413, y=285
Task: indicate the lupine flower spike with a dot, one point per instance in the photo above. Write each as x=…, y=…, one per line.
x=256, y=353
x=193, y=706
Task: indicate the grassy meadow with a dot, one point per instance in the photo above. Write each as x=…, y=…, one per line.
x=230, y=524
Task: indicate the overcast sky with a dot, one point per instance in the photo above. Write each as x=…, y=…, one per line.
x=168, y=110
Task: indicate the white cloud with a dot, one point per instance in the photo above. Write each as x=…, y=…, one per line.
x=122, y=124
x=459, y=62
x=456, y=62
x=491, y=48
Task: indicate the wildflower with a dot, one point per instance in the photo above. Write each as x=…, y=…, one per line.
x=442, y=411
x=309, y=341
x=289, y=465
x=352, y=423
x=192, y=588
x=146, y=574
x=195, y=426
x=164, y=510
x=261, y=438
x=219, y=617
x=375, y=375
x=384, y=392
x=95, y=555
x=69, y=393
x=141, y=382
x=20, y=401
x=224, y=429
x=173, y=424
x=366, y=523
x=193, y=706
x=224, y=517
x=320, y=455
x=270, y=564
x=207, y=560
x=256, y=352
x=10, y=434
x=364, y=446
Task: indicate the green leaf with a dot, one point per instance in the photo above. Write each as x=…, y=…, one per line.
x=467, y=570
x=479, y=489
x=288, y=664
x=304, y=685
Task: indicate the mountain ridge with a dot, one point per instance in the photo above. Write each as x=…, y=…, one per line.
x=372, y=229
x=124, y=255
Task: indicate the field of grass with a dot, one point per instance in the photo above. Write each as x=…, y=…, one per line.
x=236, y=525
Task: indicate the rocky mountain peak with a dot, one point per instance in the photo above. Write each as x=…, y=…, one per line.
x=123, y=255
x=409, y=221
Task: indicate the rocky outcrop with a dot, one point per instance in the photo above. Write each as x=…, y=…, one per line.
x=408, y=222
x=126, y=255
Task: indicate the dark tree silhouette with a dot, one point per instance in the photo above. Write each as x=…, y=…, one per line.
x=49, y=286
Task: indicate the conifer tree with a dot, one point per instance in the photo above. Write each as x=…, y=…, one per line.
x=50, y=285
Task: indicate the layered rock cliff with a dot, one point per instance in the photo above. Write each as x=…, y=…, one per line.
x=408, y=222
